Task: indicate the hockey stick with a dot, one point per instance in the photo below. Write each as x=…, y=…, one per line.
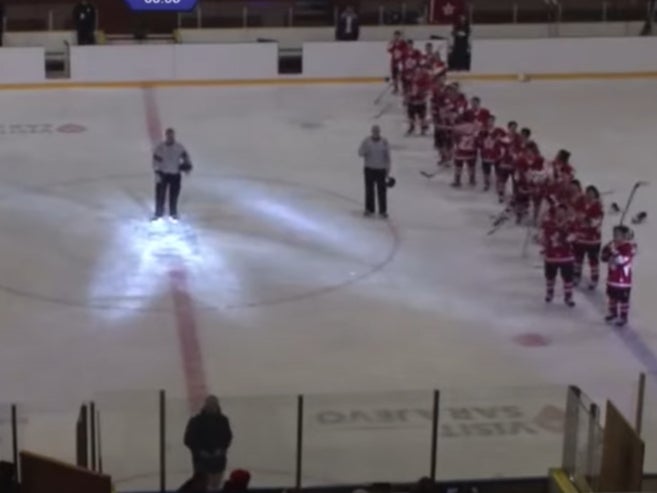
x=429, y=175
x=384, y=92
x=383, y=110
x=442, y=166
x=502, y=218
x=525, y=242
x=636, y=186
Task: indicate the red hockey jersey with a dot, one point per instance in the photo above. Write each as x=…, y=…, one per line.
x=589, y=223
x=512, y=147
x=420, y=87
x=557, y=238
x=489, y=143
x=410, y=62
x=466, y=141
x=562, y=171
x=619, y=257
x=480, y=115
x=522, y=184
x=397, y=50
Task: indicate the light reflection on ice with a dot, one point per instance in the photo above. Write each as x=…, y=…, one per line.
x=134, y=272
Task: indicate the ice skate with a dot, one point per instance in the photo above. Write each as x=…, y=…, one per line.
x=568, y=300
x=621, y=322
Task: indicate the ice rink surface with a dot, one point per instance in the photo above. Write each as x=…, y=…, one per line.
x=274, y=284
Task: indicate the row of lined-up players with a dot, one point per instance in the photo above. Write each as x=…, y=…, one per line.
x=545, y=193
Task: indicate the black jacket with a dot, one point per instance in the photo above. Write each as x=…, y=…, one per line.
x=208, y=433
x=84, y=16
x=341, y=33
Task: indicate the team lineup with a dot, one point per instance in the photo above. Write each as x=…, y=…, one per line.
x=536, y=192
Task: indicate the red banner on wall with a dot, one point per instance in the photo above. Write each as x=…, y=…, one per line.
x=445, y=11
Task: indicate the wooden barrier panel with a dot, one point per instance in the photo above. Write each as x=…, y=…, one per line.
x=43, y=475
x=622, y=455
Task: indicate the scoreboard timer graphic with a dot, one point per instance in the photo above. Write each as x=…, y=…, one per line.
x=161, y=5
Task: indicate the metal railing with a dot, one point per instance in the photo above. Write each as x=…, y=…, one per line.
x=287, y=441
x=244, y=13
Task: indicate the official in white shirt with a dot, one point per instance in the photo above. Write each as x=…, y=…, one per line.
x=375, y=152
x=170, y=160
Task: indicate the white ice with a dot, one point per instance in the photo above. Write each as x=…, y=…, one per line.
x=294, y=292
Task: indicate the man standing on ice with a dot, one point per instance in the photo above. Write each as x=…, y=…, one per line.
x=375, y=152
x=170, y=160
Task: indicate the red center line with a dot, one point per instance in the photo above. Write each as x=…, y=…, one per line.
x=183, y=303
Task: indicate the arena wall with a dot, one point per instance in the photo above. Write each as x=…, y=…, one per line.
x=130, y=63
x=344, y=60
x=551, y=58
x=296, y=36
x=564, y=56
x=22, y=65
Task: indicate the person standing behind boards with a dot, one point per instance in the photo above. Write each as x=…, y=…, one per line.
x=375, y=152
x=84, y=18
x=170, y=159
x=348, y=26
x=208, y=436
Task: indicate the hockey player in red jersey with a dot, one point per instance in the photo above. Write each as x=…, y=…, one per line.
x=505, y=167
x=589, y=216
x=410, y=61
x=438, y=67
x=428, y=56
x=562, y=170
x=465, y=135
x=448, y=107
x=619, y=255
x=438, y=97
x=575, y=198
x=416, y=103
x=491, y=149
x=521, y=193
x=556, y=238
x=460, y=101
x=397, y=50
x=479, y=114
x=534, y=163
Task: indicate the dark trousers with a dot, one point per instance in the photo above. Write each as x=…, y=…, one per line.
x=619, y=301
x=592, y=252
x=563, y=268
x=566, y=270
x=459, y=57
x=376, y=179
x=86, y=36
x=167, y=183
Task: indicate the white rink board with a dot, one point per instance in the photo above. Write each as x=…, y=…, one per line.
x=565, y=55
x=246, y=61
x=354, y=59
x=249, y=61
x=22, y=65
x=122, y=63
